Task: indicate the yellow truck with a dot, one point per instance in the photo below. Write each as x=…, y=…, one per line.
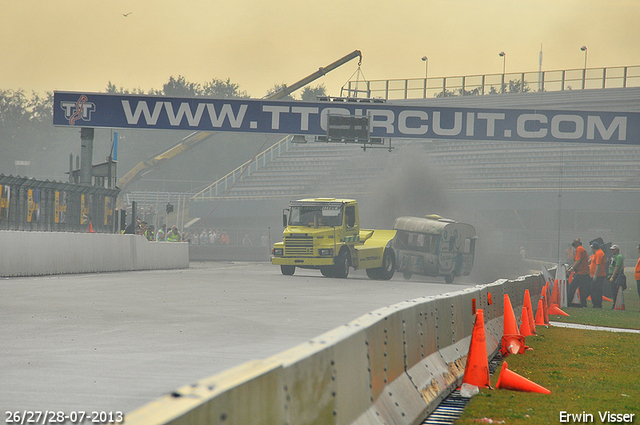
x=325, y=234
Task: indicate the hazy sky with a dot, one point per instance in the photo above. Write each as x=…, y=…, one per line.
x=82, y=45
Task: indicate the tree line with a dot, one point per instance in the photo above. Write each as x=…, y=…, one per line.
x=180, y=87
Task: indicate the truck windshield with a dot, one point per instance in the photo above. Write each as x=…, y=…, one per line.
x=310, y=215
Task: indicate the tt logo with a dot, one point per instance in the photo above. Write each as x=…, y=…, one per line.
x=80, y=110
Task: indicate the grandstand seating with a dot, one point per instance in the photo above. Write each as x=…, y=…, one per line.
x=308, y=169
x=305, y=168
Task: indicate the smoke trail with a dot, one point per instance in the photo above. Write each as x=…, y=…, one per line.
x=411, y=185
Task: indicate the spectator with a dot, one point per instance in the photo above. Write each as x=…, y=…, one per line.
x=149, y=233
x=224, y=239
x=246, y=241
x=264, y=239
x=174, y=235
x=161, y=235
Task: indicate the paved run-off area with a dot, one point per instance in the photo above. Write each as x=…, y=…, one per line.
x=115, y=341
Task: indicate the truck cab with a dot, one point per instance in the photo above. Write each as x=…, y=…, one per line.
x=325, y=234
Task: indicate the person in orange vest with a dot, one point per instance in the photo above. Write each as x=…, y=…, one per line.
x=637, y=275
x=600, y=275
x=581, y=276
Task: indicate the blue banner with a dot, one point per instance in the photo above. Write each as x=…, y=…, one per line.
x=387, y=120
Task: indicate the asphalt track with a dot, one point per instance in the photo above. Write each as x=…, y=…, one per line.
x=115, y=341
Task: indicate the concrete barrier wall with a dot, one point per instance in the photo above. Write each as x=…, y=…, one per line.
x=393, y=365
x=46, y=253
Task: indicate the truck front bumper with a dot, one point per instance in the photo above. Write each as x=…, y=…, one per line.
x=302, y=262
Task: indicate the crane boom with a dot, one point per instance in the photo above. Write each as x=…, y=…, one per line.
x=319, y=73
x=198, y=137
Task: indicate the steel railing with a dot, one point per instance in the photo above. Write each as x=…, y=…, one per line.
x=482, y=84
x=220, y=187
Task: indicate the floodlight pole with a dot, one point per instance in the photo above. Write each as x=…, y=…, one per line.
x=503, y=55
x=426, y=70
x=584, y=70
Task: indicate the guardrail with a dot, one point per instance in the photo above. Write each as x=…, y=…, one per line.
x=481, y=84
x=393, y=365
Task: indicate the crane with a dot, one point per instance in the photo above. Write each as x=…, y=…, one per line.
x=198, y=137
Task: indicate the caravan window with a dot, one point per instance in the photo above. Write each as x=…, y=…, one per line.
x=416, y=240
x=422, y=242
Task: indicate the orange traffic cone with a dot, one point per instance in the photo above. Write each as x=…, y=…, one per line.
x=525, y=330
x=90, y=227
x=527, y=303
x=619, y=299
x=512, y=342
x=546, y=293
x=603, y=298
x=555, y=296
x=510, y=326
x=512, y=381
x=545, y=311
x=540, y=313
x=476, y=372
x=554, y=310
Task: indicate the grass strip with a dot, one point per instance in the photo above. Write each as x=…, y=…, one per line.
x=587, y=372
x=628, y=318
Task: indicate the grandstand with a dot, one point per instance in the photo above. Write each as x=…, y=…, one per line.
x=475, y=164
x=305, y=169
x=540, y=192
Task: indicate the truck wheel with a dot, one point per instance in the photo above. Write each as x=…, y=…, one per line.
x=388, y=265
x=406, y=275
x=342, y=265
x=449, y=278
x=373, y=273
x=327, y=271
x=287, y=270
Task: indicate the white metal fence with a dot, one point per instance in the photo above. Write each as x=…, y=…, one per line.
x=535, y=81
